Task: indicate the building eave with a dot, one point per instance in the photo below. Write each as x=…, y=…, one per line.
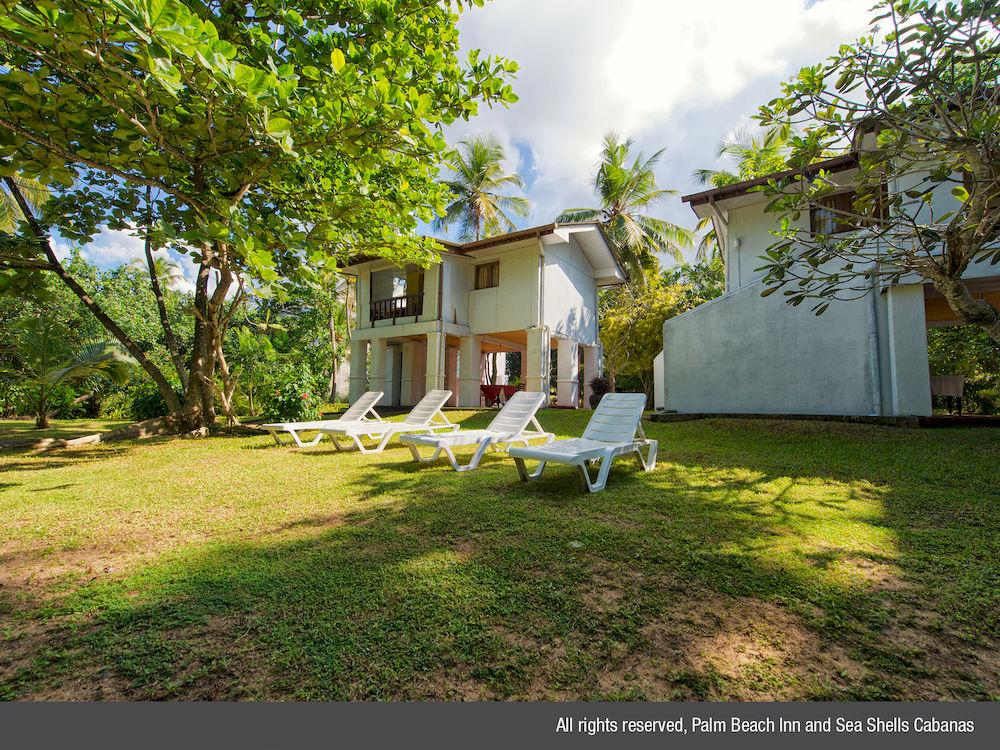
x=840, y=163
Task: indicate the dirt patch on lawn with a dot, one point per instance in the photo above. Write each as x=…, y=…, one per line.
x=733, y=648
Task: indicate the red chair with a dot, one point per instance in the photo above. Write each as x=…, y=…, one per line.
x=490, y=393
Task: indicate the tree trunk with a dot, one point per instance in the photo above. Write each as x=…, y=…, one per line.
x=977, y=312
x=41, y=234
x=161, y=306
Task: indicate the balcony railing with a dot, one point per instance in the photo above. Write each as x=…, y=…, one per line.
x=409, y=305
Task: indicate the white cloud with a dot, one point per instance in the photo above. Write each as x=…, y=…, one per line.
x=113, y=247
x=672, y=73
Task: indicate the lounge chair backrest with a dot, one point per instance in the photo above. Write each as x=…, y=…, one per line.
x=616, y=418
x=517, y=412
x=429, y=405
x=357, y=411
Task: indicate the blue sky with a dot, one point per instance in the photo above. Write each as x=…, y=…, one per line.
x=668, y=73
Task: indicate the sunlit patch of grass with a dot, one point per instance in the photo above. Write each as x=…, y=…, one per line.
x=760, y=560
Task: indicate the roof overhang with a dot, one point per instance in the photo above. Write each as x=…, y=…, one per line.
x=596, y=246
x=591, y=238
x=746, y=188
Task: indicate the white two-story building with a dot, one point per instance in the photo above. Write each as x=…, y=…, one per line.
x=533, y=291
x=744, y=353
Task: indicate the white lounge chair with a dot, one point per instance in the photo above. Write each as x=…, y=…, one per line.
x=357, y=412
x=509, y=426
x=614, y=430
x=425, y=417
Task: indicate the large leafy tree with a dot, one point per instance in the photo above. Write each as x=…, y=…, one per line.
x=627, y=190
x=264, y=141
x=632, y=327
x=481, y=204
x=923, y=92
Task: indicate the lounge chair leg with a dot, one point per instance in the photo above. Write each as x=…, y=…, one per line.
x=383, y=442
x=602, y=474
x=522, y=470
x=415, y=453
x=315, y=440
x=647, y=463
x=484, y=445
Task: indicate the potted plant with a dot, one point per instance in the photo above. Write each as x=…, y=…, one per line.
x=599, y=386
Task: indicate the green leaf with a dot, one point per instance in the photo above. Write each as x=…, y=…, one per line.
x=337, y=60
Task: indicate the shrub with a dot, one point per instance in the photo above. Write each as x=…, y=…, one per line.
x=116, y=405
x=294, y=395
x=149, y=404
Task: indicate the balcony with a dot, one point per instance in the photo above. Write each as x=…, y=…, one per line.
x=407, y=306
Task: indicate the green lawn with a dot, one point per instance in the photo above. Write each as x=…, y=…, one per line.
x=24, y=429
x=762, y=559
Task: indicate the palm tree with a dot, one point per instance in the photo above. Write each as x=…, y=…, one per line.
x=48, y=360
x=480, y=206
x=34, y=192
x=753, y=156
x=626, y=192
x=167, y=270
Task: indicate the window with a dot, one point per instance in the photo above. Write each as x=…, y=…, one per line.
x=488, y=275
x=839, y=213
x=828, y=216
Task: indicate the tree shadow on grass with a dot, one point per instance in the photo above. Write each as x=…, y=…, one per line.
x=711, y=578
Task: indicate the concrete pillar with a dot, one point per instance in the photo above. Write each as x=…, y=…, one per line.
x=592, y=368
x=472, y=355
x=408, y=373
x=909, y=384
x=419, y=372
x=536, y=370
x=359, y=363
x=451, y=373
x=378, y=368
x=568, y=373
x=435, y=361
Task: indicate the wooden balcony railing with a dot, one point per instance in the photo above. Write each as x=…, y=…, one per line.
x=409, y=305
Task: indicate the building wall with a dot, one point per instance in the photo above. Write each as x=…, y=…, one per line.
x=457, y=283
x=570, y=293
x=743, y=353
x=513, y=305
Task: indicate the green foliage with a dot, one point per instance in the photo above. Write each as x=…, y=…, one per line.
x=753, y=155
x=919, y=99
x=632, y=318
x=968, y=351
x=266, y=144
x=49, y=362
x=627, y=192
x=699, y=282
x=480, y=205
x=294, y=395
x=281, y=140
x=631, y=327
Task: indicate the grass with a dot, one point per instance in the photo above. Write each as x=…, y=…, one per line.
x=23, y=429
x=762, y=559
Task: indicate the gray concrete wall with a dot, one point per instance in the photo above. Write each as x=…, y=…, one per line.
x=743, y=353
